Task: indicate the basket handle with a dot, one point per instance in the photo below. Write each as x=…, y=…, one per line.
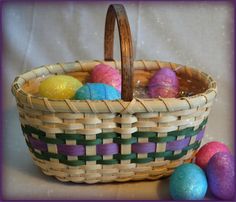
x=117, y=11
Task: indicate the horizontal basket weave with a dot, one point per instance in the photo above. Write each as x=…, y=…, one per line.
x=104, y=141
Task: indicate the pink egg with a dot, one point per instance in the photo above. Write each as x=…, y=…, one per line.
x=164, y=83
x=103, y=73
x=207, y=151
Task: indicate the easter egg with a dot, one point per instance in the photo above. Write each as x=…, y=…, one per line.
x=103, y=73
x=220, y=174
x=207, y=151
x=59, y=87
x=97, y=91
x=188, y=182
x=164, y=83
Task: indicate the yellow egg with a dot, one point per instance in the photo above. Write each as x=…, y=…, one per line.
x=59, y=87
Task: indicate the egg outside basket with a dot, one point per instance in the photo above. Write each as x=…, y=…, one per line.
x=103, y=141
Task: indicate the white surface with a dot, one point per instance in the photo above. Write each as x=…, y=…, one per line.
x=195, y=34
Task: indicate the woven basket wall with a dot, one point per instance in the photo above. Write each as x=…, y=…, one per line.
x=104, y=141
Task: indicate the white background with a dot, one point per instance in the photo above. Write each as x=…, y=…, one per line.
x=198, y=34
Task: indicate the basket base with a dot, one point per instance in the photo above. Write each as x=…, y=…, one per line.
x=97, y=173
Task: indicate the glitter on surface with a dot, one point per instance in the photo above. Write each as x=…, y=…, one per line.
x=207, y=151
x=220, y=174
x=188, y=182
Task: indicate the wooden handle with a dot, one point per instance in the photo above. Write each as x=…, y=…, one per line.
x=117, y=11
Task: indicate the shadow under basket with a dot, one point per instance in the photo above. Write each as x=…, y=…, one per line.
x=121, y=140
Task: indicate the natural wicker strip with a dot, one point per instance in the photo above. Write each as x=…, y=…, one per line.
x=148, y=109
x=47, y=104
x=71, y=106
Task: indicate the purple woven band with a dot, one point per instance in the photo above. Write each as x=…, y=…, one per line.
x=200, y=135
x=37, y=144
x=71, y=150
x=107, y=149
x=180, y=144
x=141, y=148
x=113, y=148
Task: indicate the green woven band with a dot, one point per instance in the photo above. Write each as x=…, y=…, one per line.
x=153, y=140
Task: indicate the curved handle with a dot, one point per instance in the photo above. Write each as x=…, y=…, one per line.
x=117, y=11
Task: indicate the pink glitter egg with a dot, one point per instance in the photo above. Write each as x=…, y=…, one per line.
x=106, y=74
x=164, y=83
x=220, y=174
x=207, y=151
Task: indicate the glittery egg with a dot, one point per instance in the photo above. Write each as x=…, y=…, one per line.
x=164, y=83
x=188, y=182
x=220, y=174
x=103, y=73
x=207, y=151
x=59, y=87
x=97, y=91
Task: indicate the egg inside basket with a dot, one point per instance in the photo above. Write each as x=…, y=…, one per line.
x=132, y=138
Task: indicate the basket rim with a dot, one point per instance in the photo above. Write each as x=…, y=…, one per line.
x=137, y=105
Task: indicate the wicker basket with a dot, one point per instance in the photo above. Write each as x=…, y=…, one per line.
x=103, y=141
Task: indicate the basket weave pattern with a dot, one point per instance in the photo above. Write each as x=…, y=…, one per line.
x=121, y=140
x=104, y=141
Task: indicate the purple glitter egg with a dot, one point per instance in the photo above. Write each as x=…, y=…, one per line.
x=164, y=83
x=220, y=174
